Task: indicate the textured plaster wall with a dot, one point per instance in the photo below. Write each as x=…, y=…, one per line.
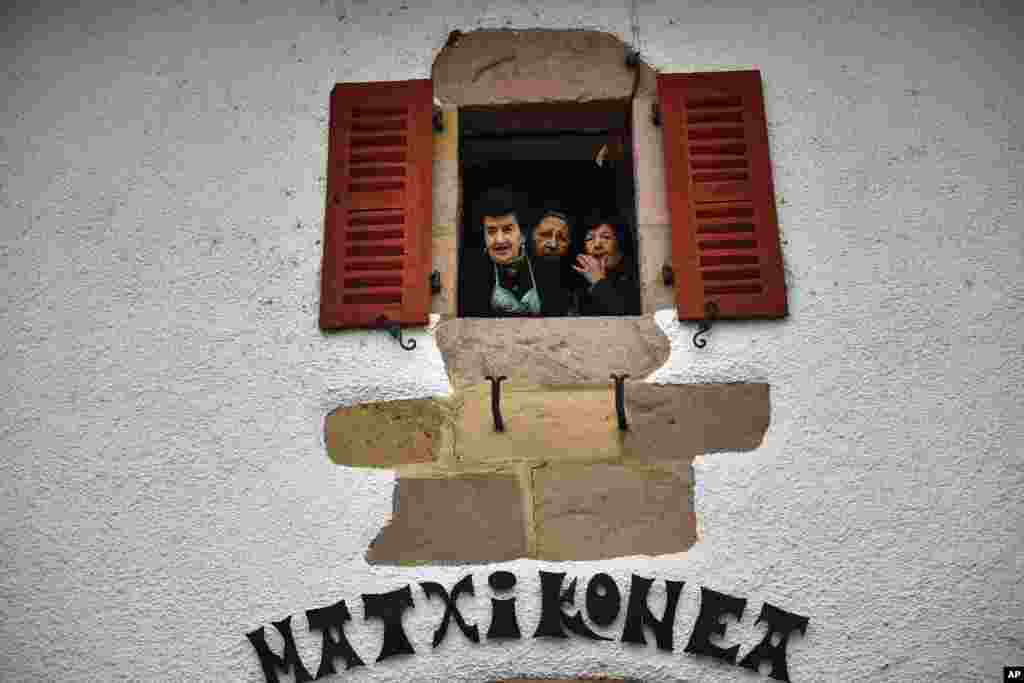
x=164, y=483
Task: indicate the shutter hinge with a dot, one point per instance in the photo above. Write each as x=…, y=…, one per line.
x=438, y=119
x=632, y=57
x=656, y=114
x=435, y=282
x=711, y=309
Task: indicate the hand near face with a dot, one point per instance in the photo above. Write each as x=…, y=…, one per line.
x=592, y=268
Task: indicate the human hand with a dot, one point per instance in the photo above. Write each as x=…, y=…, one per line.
x=593, y=269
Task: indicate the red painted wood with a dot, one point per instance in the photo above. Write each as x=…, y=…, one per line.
x=721, y=197
x=377, y=221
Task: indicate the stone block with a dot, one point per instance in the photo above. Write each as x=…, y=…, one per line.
x=666, y=423
x=550, y=351
x=651, y=199
x=673, y=421
x=563, y=424
x=444, y=259
x=455, y=520
x=389, y=433
x=498, y=66
x=600, y=511
x=655, y=243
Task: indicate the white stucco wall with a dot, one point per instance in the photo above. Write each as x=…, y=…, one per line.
x=164, y=484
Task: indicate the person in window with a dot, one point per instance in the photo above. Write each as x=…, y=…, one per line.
x=550, y=240
x=610, y=287
x=502, y=279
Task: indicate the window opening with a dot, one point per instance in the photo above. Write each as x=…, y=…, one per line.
x=574, y=160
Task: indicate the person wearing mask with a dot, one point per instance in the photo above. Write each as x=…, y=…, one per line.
x=551, y=239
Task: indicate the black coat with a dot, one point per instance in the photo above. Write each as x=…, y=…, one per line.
x=617, y=294
x=476, y=285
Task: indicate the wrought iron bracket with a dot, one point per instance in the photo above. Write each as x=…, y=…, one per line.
x=620, y=401
x=711, y=309
x=499, y=424
x=395, y=330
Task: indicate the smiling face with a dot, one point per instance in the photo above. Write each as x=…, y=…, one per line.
x=502, y=237
x=601, y=241
x=551, y=238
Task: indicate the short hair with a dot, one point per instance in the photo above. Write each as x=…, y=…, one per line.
x=554, y=210
x=622, y=233
x=499, y=202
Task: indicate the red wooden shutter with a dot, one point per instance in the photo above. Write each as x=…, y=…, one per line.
x=377, y=224
x=725, y=233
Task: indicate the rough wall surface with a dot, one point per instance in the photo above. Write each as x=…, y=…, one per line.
x=165, y=487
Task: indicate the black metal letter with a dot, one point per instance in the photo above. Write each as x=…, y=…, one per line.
x=322, y=619
x=638, y=615
x=781, y=622
x=603, y=607
x=552, y=618
x=503, y=612
x=451, y=609
x=270, y=661
x=714, y=605
x=389, y=607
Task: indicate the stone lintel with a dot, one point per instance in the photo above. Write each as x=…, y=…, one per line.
x=500, y=66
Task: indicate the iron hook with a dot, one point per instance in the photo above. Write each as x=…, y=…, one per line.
x=711, y=308
x=499, y=424
x=620, y=403
x=395, y=330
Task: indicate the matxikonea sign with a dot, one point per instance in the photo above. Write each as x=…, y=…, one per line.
x=603, y=603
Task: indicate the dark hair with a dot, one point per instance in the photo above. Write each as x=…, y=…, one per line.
x=623, y=235
x=555, y=211
x=499, y=201
x=548, y=209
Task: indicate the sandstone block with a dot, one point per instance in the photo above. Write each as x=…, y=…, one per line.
x=579, y=423
x=600, y=511
x=495, y=66
x=568, y=423
x=456, y=520
x=673, y=420
x=550, y=351
x=388, y=433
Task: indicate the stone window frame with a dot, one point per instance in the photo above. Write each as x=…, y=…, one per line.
x=447, y=449
x=652, y=222
x=605, y=120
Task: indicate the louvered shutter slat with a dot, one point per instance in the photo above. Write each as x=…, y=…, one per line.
x=725, y=235
x=377, y=220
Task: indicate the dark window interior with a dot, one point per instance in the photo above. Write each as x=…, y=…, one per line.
x=548, y=155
